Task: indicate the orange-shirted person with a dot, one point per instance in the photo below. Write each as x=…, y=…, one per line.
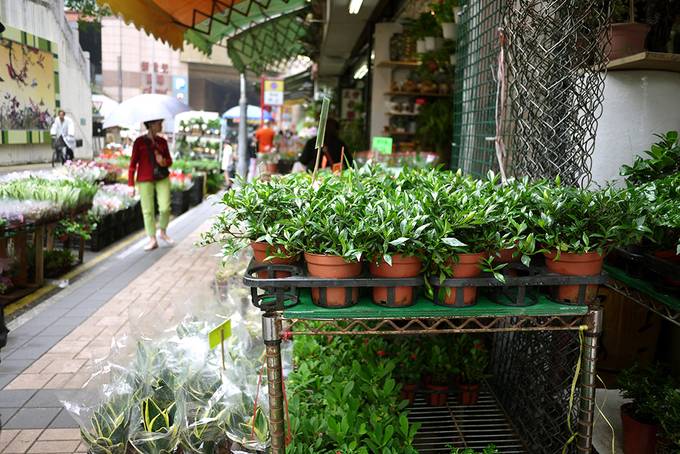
x=265, y=137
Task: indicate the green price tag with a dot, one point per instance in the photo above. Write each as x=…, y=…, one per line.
x=321, y=132
x=382, y=145
x=219, y=334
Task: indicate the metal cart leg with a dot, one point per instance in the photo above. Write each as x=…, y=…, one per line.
x=586, y=412
x=271, y=329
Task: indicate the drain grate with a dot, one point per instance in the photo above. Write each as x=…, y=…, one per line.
x=471, y=426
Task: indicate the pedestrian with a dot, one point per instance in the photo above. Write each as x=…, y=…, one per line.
x=63, y=133
x=265, y=137
x=332, y=149
x=150, y=162
x=227, y=163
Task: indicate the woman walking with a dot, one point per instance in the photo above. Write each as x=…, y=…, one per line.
x=150, y=161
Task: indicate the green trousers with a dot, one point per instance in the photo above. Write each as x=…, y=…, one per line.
x=146, y=193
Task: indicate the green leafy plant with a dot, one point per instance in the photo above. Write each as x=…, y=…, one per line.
x=443, y=10
x=670, y=420
x=474, y=359
x=434, y=127
x=109, y=425
x=423, y=25
x=663, y=160
x=645, y=385
x=491, y=449
x=663, y=212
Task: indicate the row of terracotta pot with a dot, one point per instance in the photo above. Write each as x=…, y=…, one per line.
x=463, y=266
x=438, y=395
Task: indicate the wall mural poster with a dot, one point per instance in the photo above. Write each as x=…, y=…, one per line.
x=28, y=91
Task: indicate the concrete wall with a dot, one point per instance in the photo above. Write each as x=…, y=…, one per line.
x=45, y=18
x=637, y=104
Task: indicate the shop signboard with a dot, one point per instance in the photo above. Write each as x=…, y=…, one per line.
x=273, y=92
x=29, y=87
x=382, y=145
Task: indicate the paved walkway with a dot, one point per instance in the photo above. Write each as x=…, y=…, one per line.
x=51, y=354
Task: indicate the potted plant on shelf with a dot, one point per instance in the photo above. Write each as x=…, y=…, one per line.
x=409, y=358
x=578, y=227
x=645, y=386
x=424, y=30
x=446, y=13
x=474, y=359
x=395, y=243
x=460, y=238
x=626, y=36
x=440, y=368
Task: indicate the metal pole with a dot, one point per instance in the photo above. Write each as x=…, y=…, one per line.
x=586, y=411
x=271, y=328
x=243, y=130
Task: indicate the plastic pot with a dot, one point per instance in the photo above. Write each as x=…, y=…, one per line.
x=506, y=256
x=408, y=392
x=449, y=30
x=568, y=264
x=421, y=47
x=638, y=437
x=468, y=265
x=262, y=250
x=469, y=394
x=402, y=267
x=430, y=43
x=671, y=257
x=333, y=267
x=627, y=39
x=437, y=395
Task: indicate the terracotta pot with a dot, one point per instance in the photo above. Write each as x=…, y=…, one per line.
x=272, y=167
x=638, y=437
x=469, y=394
x=408, y=392
x=505, y=256
x=627, y=39
x=437, y=395
x=263, y=250
x=332, y=266
x=402, y=267
x=672, y=257
x=467, y=266
x=588, y=264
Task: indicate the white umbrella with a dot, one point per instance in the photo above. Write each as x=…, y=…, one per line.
x=252, y=113
x=103, y=105
x=138, y=109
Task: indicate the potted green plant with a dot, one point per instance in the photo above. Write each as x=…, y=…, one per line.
x=626, y=36
x=474, y=360
x=645, y=386
x=668, y=441
x=446, y=13
x=440, y=368
x=578, y=227
x=409, y=358
x=395, y=241
x=424, y=30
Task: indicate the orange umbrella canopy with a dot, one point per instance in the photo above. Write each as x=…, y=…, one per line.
x=168, y=20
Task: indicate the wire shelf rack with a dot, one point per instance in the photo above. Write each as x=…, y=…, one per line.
x=463, y=426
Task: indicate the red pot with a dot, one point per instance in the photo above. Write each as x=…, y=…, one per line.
x=469, y=394
x=408, y=392
x=588, y=264
x=672, y=257
x=468, y=265
x=627, y=39
x=272, y=167
x=402, y=267
x=263, y=250
x=505, y=256
x=332, y=266
x=638, y=437
x=438, y=395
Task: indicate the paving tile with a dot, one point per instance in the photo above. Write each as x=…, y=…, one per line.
x=64, y=421
x=64, y=367
x=13, y=366
x=15, y=398
x=6, y=436
x=58, y=381
x=60, y=434
x=29, y=381
x=44, y=398
x=6, y=414
x=6, y=379
x=47, y=447
x=22, y=441
x=32, y=418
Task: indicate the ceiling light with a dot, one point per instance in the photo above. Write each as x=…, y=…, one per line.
x=355, y=6
x=361, y=72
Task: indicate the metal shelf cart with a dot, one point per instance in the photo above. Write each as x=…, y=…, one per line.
x=288, y=310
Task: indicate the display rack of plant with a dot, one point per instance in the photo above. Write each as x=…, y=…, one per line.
x=474, y=360
x=197, y=189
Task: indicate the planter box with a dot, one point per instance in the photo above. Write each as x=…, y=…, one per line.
x=197, y=190
x=179, y=202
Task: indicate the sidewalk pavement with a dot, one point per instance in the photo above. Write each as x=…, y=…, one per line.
x=25, y=167
x=52, y=353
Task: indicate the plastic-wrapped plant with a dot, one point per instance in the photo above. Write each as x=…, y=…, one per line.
x=158, y=431
x=109, y=426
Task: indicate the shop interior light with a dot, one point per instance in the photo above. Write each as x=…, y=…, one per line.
x=355, y=6
x=361, y=71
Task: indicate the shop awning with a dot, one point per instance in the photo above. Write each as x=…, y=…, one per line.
x=203, y=23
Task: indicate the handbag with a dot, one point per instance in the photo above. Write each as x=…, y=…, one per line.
x=159, y=172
